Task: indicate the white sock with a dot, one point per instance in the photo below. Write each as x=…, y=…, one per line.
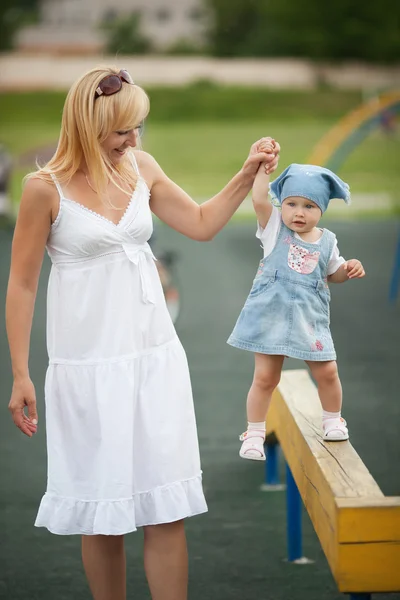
x=259, y=426
x=330, y=415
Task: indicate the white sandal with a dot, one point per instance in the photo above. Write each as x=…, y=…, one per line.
x=253, y=444
x=335, y=430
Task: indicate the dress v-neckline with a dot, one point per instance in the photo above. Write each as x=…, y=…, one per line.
x=97, y=215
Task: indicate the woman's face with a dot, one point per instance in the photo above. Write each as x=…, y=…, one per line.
x=118, y=142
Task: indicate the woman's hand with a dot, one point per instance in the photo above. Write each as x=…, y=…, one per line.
x=266, y=150
x=23, y=394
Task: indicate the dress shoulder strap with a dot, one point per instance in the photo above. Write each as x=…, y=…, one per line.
x=134, y=162
x=329, y=242
x=283, y=232
x=58, y=186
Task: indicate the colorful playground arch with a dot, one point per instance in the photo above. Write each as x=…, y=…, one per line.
x=332, y=150
x=336, y=145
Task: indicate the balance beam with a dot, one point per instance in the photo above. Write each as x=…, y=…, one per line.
x=357, y=526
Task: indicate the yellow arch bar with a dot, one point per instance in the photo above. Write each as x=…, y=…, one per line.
x=335, y=137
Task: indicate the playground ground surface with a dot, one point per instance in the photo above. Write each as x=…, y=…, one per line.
x=237, y=550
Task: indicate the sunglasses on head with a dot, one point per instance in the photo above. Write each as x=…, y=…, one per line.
x=111, y=84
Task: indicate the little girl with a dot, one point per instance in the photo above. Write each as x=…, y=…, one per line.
x=287, y=310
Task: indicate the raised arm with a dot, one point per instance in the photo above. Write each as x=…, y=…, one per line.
x=201, y=222
x=31, y=232
x=262, y=205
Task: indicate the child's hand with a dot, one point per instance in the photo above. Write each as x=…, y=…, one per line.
x=354, y=269
x=266, y=145
x=257, y=159
x=272, y=149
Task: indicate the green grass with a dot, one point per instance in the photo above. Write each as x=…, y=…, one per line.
x=201, y=154
x=31, y=118
x=201, y=157
x=201, y=101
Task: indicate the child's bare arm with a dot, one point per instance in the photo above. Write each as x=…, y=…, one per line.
x=351, y=269
x=261, y=203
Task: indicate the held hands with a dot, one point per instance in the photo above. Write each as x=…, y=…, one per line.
x=268, y=145
x=23, y=394
x=354, y=269
x=265, y=151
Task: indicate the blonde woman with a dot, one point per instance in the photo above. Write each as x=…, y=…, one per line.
x=121, y=432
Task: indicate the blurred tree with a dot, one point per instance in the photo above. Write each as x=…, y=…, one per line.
x=230, y=26
x=184, y=47
x=344, y=29
x=13, y=15
x=124, y=35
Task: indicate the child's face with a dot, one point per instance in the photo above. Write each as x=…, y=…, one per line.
x=300, y=214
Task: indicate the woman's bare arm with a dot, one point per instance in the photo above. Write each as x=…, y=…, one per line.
x=31, y=232
x=201, y=222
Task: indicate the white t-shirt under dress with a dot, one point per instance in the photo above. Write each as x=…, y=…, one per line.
x=121, y=430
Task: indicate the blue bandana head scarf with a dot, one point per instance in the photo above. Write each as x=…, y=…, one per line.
x=309, y=181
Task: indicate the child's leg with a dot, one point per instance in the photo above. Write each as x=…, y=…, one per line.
x=330, y=393
x=329, y=387
x=267, y=373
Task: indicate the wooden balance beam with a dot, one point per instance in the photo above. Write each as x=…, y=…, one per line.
x=357, y=526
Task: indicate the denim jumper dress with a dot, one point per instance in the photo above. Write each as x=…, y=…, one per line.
x=287, y=310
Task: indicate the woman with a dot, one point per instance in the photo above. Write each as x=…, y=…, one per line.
x=121, y=432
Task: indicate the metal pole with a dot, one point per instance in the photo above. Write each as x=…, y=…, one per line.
x=271, y=479
x=395, y=279
x=271, y=465
x=294, y=529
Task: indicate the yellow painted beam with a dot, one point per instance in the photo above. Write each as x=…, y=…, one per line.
x=358, y=527
x=313, y=487
x=368, y=520
x=369, y=568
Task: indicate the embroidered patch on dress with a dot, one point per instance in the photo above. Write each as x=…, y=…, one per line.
x=317, y=346
x=260, y=269
x=302, y=260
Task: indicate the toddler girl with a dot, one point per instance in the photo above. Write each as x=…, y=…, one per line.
x=287, y=310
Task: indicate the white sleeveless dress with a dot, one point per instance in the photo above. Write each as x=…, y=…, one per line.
x=121, y=432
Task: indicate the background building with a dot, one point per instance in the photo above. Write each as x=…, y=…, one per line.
x=73, y=26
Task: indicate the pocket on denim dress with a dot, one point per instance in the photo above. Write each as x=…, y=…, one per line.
x=261, y=281
x=302, y=260
x=324, y=297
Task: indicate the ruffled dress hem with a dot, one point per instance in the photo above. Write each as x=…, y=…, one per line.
x=164, y=504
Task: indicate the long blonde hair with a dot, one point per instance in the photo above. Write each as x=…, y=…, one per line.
x=86, y=123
